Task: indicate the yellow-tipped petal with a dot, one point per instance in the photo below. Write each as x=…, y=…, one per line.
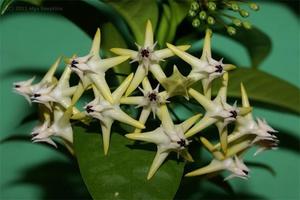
x=143, y=118
x=245, y=100
x=235, y=149
x=186, y=155
x=137, y=79
x=146, y=84
x=190, y=122
x=207, y=104
x=96, y=43
x=123, y=117
x=102, y=86
x=64, y=79
x=206, y=53
x=49, y=75
x=229, y=67
x=192, y=60
x=146, y=137
x=108, y=63
x=224, y=140
x=78, y=93
x=106, y=128
x=166, y=53
x=148, y=35
x=133, y=100
x=157, y=162
x=118, y=93
x=223, y=90
x=166, y=119
x=124, y=52
x=209, y=146
x=202, y=124
x=212, y=167
x=245, y=110
x=157, y=72
x=65, y=118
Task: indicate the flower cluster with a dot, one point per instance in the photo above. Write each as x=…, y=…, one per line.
x=210, y=12
x=57, y=103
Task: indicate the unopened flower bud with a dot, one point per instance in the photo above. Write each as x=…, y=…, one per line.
x=247, y=25
x=244, y=13
x=211, y=5
x=235, y=7
x=210, y=20
x=192, y=13
x=194, y=6
x=254, y=6
x=196, y=23
x=202, y=15
x=231, y=30
x=237, y=22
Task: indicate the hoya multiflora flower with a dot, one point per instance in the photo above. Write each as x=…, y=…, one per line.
x=148, y=59
x=225, y=13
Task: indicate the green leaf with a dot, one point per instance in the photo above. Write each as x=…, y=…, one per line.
x=164, y=26
x=258, y=44
x=6, y=3
x=111, y=38
x=136, y=13
x=265, y=88
x=122, y=173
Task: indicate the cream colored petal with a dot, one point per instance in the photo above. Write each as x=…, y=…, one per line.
x=63, y=82
x=49, y=75
x=143, y=118
x=207, y=104
x=65, y=119
x=157, y=72
x=137, y=79
x=108, y=63
x=69, y=91
x=106, y=130
x=102, y=86
x=118, y=93
x=240, y=147
x=192, y=60
x=202, y=124
x=123, y=117
x=229, y=67
x=166, y=53
x=152, y=136
x=157, y=162
x=186, y=155
x=245, y=100
x=165, y=118
x=96, y=43
x=187, y=124
x=212, y=167
x=148, y=35
x=245, y=110
x=146, y=84
x=133, y=100
x=78, y=93
x=125, y=52
x=206, y=53
x=223, y=90
x=210, y=147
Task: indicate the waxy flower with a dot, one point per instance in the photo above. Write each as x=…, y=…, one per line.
x=168, y=137
x=217, y=111
x=60, y=127
x=60, y=93
x=234, y=165
x=151, y=101
x=107, y=112
x=206, y=68
x=91, y=69
x=26, y=88
x=148, y=59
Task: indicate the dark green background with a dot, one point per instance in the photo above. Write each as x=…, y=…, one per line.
x=31, y=41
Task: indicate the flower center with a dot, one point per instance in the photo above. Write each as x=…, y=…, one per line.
x=145, y=53
x=152, y=97
x=181, y=142
x=219, y=68
x=17, y=86
x=74, y=63
x=89, y=109
x=36, y=95
x=233, y=114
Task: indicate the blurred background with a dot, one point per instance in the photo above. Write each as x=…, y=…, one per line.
x=32, y=39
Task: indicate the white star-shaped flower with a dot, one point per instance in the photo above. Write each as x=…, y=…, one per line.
x=206, y=68
x=168, y=137
x=107, y=112
x=234, y=165
x=151, y=100
x=148, y=59
x=26, y=88
x=60, y=127
x=91, y=69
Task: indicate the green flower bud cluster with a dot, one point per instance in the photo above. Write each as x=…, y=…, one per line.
x=207, y=13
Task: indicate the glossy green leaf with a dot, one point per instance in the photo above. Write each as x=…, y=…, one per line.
x=163, y=26
x=265, y=88
x=136, y=13
x=122, y=173
x=258, y=44
x=6, y=3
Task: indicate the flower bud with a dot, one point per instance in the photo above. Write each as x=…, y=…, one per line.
x=247, y=25
x=231, y=30
x=196, y=23
x=202, y=15
x=254, y=6
x=192, y=13
x=210, y=20
x=211, y=5
x=237, y=22
x=195, y=6
x=235, y=6
x=244, y=13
